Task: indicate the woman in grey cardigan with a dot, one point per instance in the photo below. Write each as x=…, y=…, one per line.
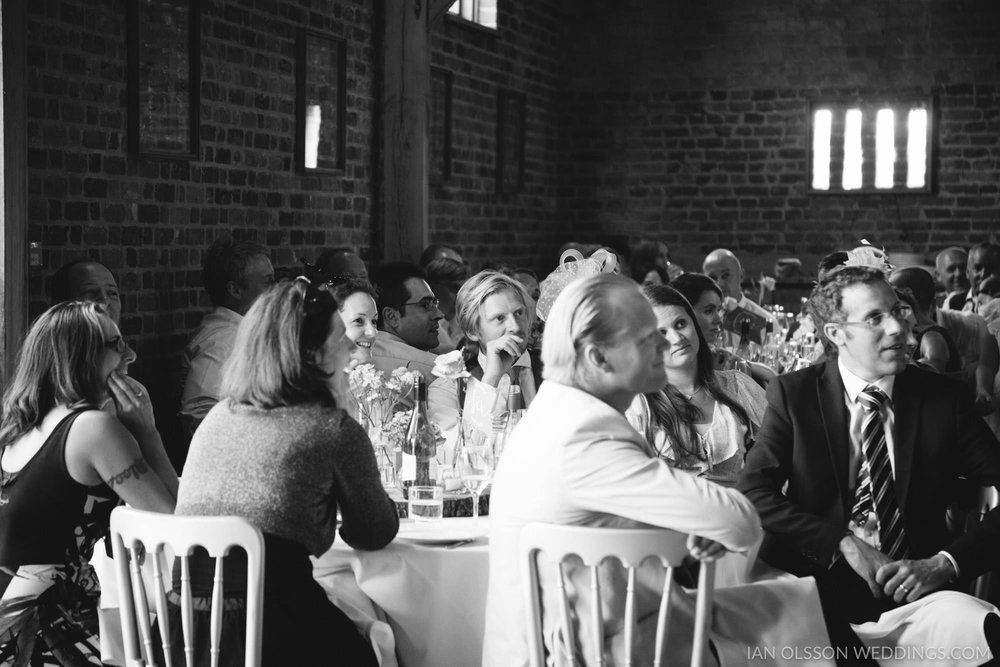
x=278, y=451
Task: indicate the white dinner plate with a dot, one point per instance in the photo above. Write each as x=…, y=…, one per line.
x=445, y=531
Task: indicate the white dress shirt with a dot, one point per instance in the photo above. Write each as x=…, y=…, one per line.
x=203, y=359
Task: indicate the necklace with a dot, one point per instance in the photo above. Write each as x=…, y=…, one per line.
x=693, y=393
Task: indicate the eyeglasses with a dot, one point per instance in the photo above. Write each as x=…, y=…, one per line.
x=900, y=312
x=427, y=304
x=117, y=344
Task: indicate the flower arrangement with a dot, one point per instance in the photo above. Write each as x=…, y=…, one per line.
x=378, y=396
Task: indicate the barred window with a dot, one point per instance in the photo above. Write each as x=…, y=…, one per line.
x=870, y=146
x=483, y=12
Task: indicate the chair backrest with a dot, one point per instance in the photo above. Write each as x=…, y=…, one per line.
x=140, y=537
x=594, y=545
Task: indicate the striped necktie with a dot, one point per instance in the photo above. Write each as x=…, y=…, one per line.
x=875, y=483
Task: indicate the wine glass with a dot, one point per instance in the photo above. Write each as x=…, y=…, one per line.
x=474, y=464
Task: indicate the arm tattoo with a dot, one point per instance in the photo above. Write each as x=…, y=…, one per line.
x=138, y=468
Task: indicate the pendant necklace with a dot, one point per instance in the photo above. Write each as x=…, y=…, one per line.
x=693, y=393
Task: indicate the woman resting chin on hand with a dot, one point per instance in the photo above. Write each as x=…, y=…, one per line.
x=56, y=444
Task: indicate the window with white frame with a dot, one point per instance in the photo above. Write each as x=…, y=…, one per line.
x=483, y=12
x=862, y=147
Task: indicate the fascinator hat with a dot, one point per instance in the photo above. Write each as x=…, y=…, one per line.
x=572, y=265
x=868, y=255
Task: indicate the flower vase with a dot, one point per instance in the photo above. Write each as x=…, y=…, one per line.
x=385, y=457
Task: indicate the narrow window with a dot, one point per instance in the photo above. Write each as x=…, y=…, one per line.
x=916, y=149
x=822, y=125
x=885, y=148
x=853, y=153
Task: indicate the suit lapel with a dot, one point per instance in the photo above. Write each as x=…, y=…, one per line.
x=836, y=423
x=906, y=410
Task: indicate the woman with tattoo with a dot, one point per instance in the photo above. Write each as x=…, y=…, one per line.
x=56, y=445
x=278, y=451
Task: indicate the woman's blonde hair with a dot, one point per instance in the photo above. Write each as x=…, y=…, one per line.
x=586, y=312
x=58, y=364
x=273, y=362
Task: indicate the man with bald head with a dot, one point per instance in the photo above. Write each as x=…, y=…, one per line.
x=722, y=266
x=439, y=251
x=984, y=261
x=949, y=268
x=86, y=279
x=336, y=263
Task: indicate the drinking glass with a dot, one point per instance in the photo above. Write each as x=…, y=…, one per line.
x=426, y=503
x=474, y=464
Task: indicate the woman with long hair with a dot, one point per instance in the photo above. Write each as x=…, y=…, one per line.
x=278, y=451
x=57, y=445
x=702, y=420
x=705, y=297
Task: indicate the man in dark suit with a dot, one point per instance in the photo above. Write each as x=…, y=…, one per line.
x=871, y=450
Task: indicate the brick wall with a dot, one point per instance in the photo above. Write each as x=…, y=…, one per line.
x=149, y=219
x=522, y=56
x=688, y=121
x=684, y=120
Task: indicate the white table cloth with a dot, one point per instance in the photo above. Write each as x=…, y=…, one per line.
x=432, y=597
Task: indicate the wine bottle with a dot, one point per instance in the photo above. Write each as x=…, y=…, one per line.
x=743, y=349
x=420, y=442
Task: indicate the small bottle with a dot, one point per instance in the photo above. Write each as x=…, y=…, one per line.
x=515, y=400
x=769, y=351
x=420, y=443
x=745, y=350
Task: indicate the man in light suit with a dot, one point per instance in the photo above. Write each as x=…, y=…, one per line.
x=815, y=438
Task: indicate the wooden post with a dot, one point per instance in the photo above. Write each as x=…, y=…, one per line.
x=405, y=97
x=13, y=187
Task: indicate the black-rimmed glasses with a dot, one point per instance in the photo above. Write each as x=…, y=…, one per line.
x=117, y=344
x=427, y=304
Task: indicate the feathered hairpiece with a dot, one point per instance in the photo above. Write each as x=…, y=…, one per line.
x=868, y=255
x=572, y=265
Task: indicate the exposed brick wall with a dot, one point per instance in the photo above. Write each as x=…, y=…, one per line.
x=522, y=56
x=688, y=121
x=149, y=219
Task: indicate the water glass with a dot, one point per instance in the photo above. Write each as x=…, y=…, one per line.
x=426, y=503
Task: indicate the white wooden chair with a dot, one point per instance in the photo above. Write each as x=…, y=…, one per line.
x=594, y=545
x=139, y=538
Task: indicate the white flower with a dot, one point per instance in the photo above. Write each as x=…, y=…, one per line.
x=450, y=365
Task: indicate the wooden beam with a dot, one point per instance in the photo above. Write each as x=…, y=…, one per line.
x=13, y=187
x=405, y=95
x=439, y=8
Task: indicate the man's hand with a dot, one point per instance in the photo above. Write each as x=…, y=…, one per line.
x=132, y=405
x=501, y=353
x=864, y=559
x=705, y=549
x=909, y=580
